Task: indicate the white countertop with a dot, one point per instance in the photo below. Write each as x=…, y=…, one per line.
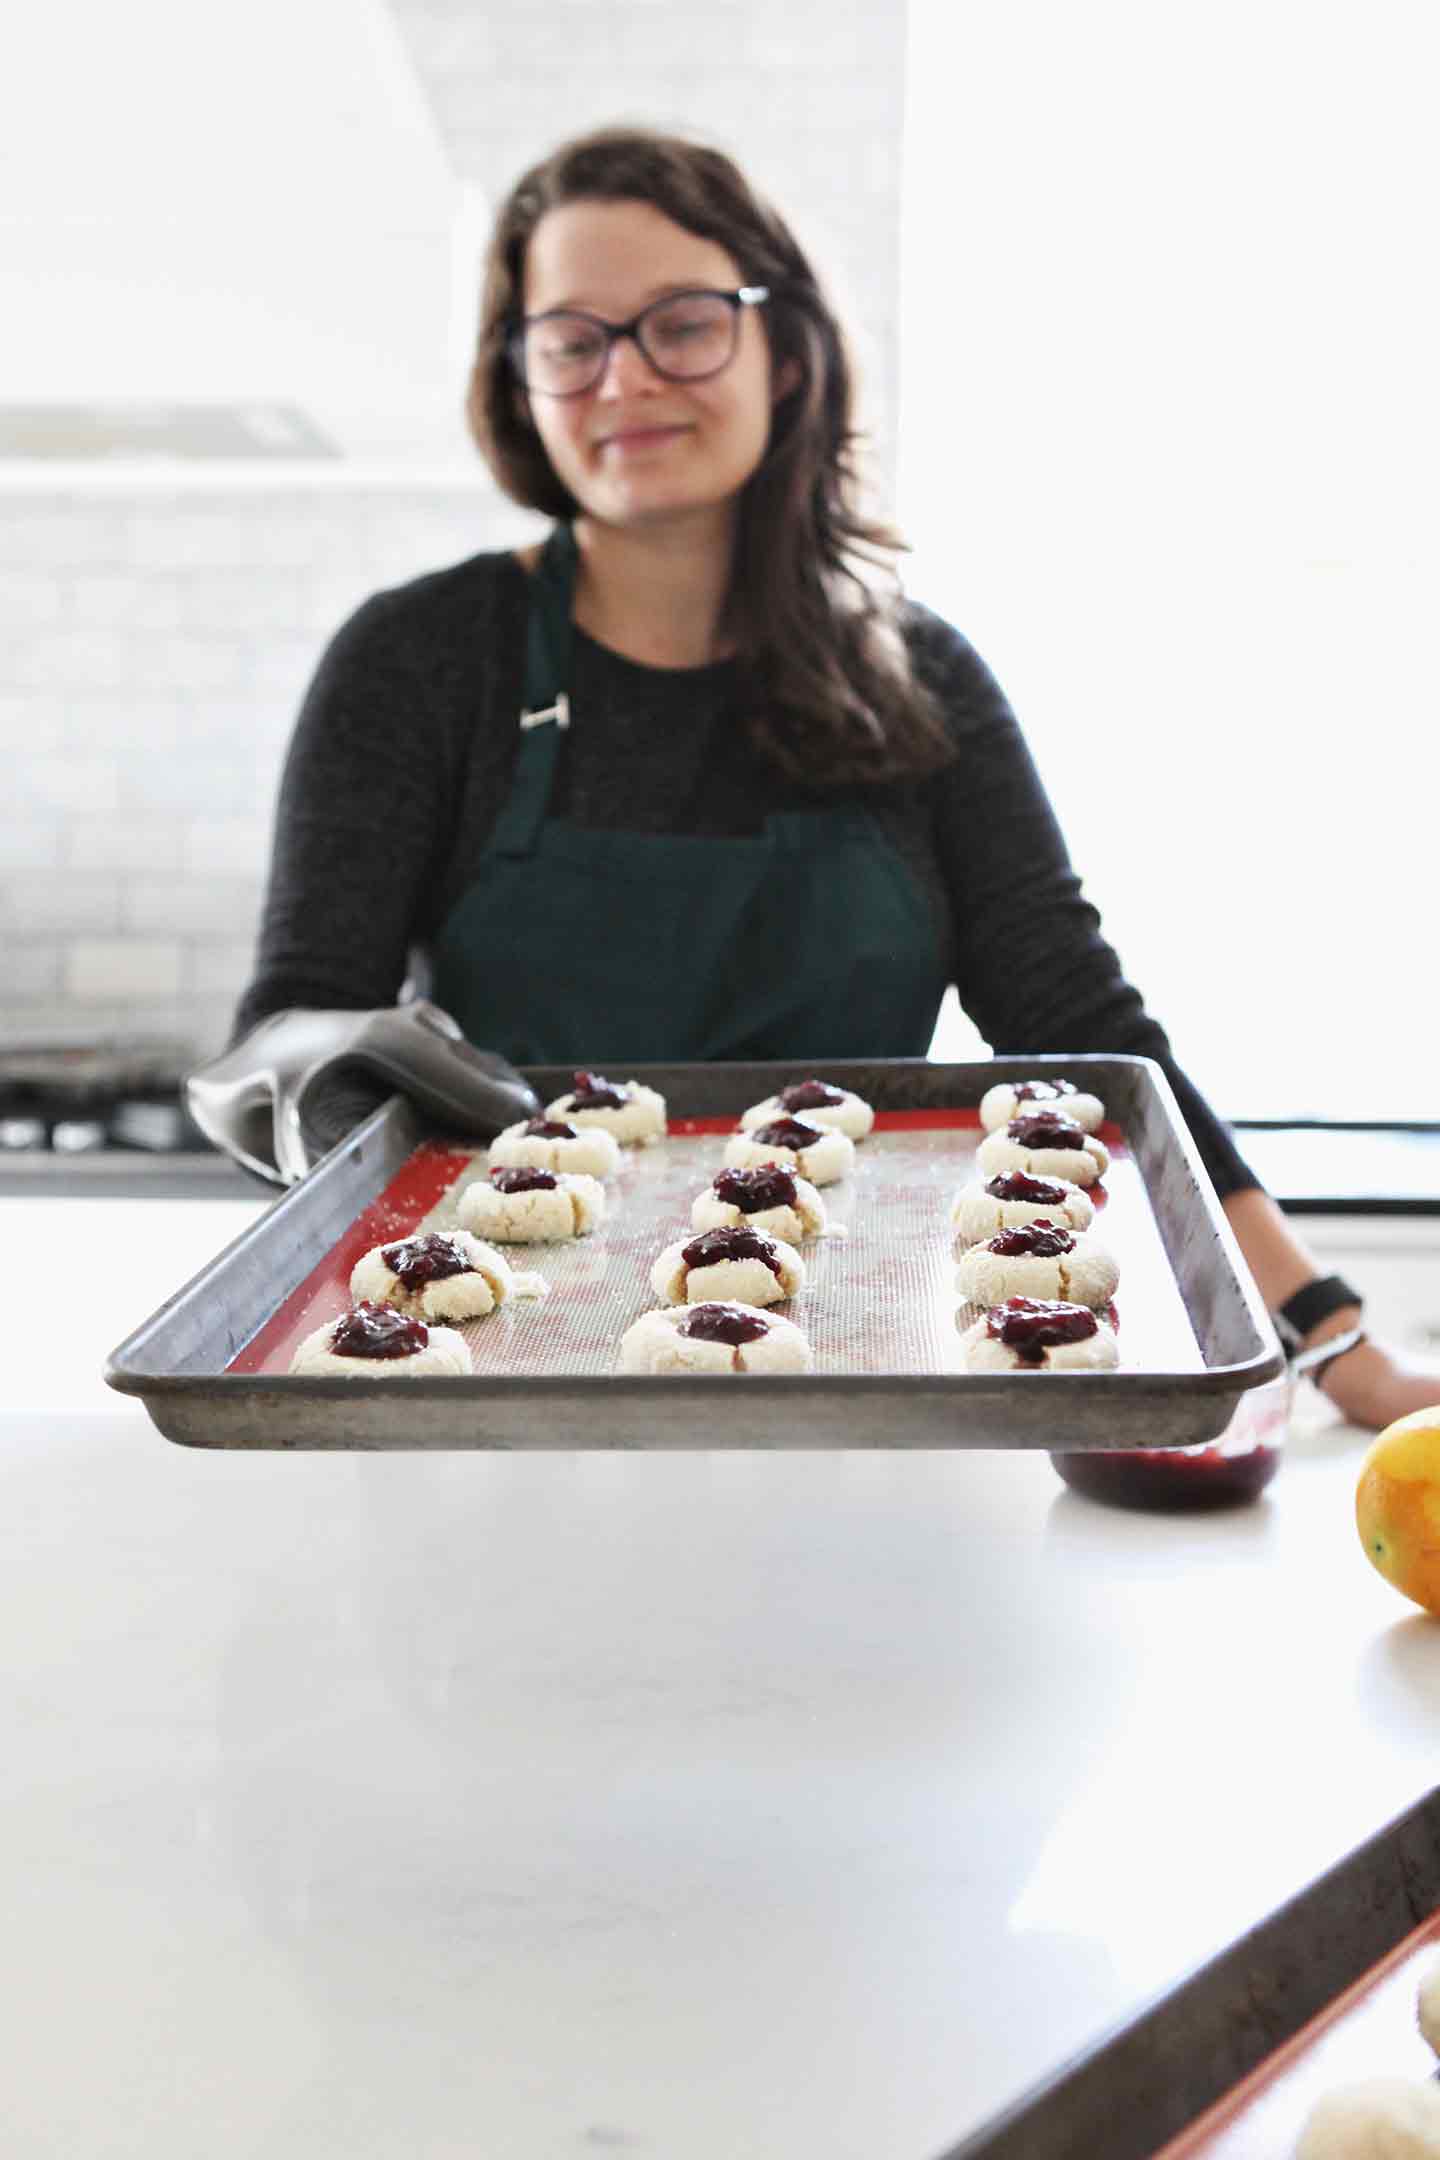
x=693, y=1806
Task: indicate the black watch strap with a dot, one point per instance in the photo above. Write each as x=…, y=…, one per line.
x=1310, y=1305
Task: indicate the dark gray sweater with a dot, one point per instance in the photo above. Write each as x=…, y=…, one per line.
x=406, y=742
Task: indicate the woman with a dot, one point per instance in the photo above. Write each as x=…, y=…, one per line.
x=692, y=780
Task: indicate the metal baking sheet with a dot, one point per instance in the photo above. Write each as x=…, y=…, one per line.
x=879, y=1305
x=1228, y=2065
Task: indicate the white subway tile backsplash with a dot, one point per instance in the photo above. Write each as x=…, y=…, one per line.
x=122, y=600
x=60, y=532
x=225, y=846
x=79, y=901
x=35, y=842
x=58, y=782
x=251, y=602
x=282, y=667
x=124, y=968
x=219, y=968
x=123, y=842
x=190, y=906
x=28, y=600
x=30, y=967
x=193, y=777
x=122, y=723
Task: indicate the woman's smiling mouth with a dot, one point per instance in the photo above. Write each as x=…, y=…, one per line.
x=639, y=438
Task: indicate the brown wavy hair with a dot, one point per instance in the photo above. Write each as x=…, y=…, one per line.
x=814, y=599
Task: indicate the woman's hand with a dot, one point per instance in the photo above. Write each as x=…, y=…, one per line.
x=1372, y=1384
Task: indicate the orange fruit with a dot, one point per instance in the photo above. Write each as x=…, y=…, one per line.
x=1397, y=1506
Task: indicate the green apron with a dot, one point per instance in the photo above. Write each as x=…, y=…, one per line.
x=571, y=947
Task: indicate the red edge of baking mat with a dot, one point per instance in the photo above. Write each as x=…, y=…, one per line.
x=1368, y=2031
x=420, y=1184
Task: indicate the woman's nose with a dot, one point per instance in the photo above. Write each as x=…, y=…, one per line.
x=627, y=370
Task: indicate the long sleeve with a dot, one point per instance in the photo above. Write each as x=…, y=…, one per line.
x=1032, y=966
x=364, y=817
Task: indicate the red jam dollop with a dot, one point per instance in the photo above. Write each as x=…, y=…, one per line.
x=787, y=1132
x=724, y=1323
x=1031, y=1326
x=735, y=1243
x=1043, y=1090
x=1019, y=1185
x=524, y=1180
x=810, y=1095
x=752, y=1191
x=1042, y=1238
x=377, y=1331
x=1046, y=1130
x=592, y=1091
x=420, y=1260
x=544, y=1128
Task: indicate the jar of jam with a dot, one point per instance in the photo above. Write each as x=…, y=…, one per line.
x=1224, y=1472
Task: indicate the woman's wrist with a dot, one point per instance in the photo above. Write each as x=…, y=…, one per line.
x=1347, y=1337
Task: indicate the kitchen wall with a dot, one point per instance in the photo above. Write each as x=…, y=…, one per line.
x=158, y=622
x=157, y=645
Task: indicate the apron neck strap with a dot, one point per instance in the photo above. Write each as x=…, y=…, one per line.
x=544, y=715
x=549, y=637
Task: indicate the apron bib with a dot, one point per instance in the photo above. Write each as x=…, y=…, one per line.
x=572, y=947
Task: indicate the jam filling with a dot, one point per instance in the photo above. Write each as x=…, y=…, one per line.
x=1019, y=1185
x=377, y=1331
x=544, y=1128
x=1031, y=1326
x=1046, y=1130
x=724, y=1323
x=420, y=1260
x=787, y=1132
x=737, y=1243
x=524, y=1180
x=592, y=1091
x=753, y=1190
x=1046, y=1240
x=1043, y=1090
x=810, y=1095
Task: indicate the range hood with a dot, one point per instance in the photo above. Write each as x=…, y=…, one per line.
x=228, y=233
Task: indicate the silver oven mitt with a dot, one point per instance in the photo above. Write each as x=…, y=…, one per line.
x=301, y=1080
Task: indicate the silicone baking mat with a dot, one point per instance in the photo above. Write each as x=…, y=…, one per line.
x=879, y=1295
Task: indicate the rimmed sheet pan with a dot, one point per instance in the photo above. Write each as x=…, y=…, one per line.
x=879, y=1305
x=1228, y=2065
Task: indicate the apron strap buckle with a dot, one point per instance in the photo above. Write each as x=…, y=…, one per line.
x=559, y=712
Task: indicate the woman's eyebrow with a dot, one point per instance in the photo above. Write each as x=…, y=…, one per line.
x=584, y=306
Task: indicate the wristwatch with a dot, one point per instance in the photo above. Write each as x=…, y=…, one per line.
x=1304, y=1311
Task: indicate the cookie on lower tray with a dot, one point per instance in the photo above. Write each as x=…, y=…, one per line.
x=1382, y=2118
x=376, y=1342
x=1039, y=1335
x=723, y=1336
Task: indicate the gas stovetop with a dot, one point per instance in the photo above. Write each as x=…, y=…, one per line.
x=86, y=1095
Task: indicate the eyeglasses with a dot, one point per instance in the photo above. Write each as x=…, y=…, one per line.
x=685, y=336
